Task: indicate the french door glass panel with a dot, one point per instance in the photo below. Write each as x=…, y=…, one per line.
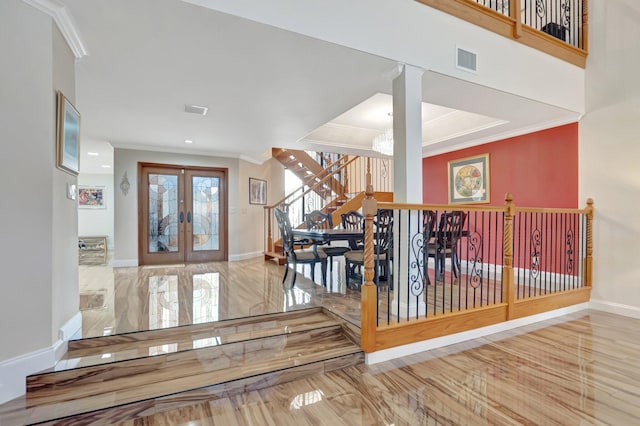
x=206, y=213
x=163, y=213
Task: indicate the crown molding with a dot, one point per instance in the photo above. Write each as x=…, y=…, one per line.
x=65, y=23
x=442, y=147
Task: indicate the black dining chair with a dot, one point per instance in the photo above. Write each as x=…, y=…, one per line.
x=294, y=257
x=445, y=244
x=320, y=220
x=353, y=221
x=382, y=250
x=429, y=218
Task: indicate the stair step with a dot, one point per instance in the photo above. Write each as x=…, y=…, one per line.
x=262, y=350
x=123, y=347
x=276, y=255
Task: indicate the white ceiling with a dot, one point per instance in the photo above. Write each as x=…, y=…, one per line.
x=264, y=88
x=357, y=127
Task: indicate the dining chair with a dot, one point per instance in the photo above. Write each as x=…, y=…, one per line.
x=429, y=218
x=382, y=250
x=445, y=243
x=353, y=221
x=294, y=257
x=320, y=220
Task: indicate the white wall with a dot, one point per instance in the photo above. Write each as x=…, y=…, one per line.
x=251, y=232
x=609, y=150
x=39, y=224
x=65, y=214
x=26, y=164
x=98, y=222
x=412, y=33
x=242, y=217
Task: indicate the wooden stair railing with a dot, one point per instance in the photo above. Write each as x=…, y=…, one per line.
x=308, y=170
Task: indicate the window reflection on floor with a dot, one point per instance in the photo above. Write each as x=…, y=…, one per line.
x=163, y=349
x=206, y=297
x=307, y=398
x=163, y=301
x=295, y=297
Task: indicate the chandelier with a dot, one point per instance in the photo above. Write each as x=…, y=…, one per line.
x=383, y=143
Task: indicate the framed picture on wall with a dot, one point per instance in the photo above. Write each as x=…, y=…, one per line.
x=67, y=136
x=91, y=197
x=257, y=191
x=469, y=180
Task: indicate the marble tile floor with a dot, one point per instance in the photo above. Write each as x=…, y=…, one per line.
x=159, y=297
x=148, y=298
x=578, y=369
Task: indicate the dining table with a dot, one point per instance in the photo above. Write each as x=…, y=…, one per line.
x=317, y=237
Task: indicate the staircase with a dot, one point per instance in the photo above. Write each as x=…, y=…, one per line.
x=309, y=171
x=231, y=356
x=336, y=189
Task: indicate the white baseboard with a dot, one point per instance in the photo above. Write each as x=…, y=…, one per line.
x=71, y=327
x=124, y=263
x=14, y=371
x=245, y=256
x=127, y=263
x=615, y=308
x=426, y=345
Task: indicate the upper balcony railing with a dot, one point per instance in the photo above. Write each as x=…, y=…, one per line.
x=556, y=27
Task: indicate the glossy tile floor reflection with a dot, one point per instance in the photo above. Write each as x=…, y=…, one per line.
x=147, y=298
x=580, y=369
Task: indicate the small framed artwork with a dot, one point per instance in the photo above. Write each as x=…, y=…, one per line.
x=91, y=197
x=67, y=136
x=257, y=191
x=469, y=180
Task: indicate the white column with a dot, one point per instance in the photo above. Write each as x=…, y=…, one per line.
x=407, y=136
x=407, y=184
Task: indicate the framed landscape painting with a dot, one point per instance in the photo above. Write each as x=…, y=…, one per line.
x=257, y=191
x=67, y=136
x=469, y=180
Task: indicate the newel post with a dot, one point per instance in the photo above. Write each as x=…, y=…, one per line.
x=585, y=25
x=514, y=9
x=588, y=267
x=268, y=214
x=369, y=291
x=508, y=290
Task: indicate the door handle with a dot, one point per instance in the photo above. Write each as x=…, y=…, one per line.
x=181, y=217
x=189, y=217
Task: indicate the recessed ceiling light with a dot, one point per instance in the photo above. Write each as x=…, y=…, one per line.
x=106, y=166
x=93, y=154
x=188, y=141
x=196, y=109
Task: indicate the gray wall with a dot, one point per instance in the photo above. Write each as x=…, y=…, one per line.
x=245, y=220
x=39, y=288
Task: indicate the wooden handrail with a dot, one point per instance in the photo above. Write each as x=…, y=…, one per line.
x=469, y=207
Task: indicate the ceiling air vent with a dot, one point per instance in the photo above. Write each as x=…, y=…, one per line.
x=196, y=109
x=466, y=60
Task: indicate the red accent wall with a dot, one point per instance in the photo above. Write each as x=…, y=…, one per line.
x=540, y=169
